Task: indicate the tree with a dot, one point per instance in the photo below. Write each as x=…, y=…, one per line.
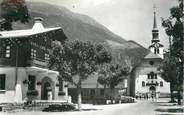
x=77, y=60
x=174, y=29
x=169, y=73
x=12, y=11
x=111, y=75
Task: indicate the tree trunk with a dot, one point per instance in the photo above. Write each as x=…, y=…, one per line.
x=179, y=97
x=104, y=94
x=171, y=90
x=79, y=100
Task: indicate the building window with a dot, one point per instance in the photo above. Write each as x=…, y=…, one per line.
x=7, y=53
x=32, y=82
x=155, y=51
x=143, y=84
x=33, y=53
x=152, y=75
x=2, y=50
x=61, y=85
x=155, y=76
x=2, y=81
x=102, y=92
x=151, y=62
x=47, y=58
x=158, y=51
x=161, y=83
x=148, y=76
x=92, y=92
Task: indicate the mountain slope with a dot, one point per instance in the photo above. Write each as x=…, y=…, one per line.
x=77, y=26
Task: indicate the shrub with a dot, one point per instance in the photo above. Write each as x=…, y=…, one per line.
x=59, y=108
x=61, y=93
x=32, y=93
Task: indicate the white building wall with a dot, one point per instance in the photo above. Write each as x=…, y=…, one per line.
x=10, y=95
x=141, y=75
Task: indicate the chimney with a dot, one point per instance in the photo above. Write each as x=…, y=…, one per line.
x=38, y=26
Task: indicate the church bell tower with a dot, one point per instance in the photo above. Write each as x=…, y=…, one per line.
x=155, y=46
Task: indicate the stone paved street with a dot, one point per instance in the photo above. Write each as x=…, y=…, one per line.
x=142, y=107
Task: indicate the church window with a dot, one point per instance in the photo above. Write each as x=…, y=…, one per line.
x=143, y=84
x=155, y=76
x=155, y=51
x=161, y=83
x=158, y=51
x=152, y=75
x=2, y=81
x=148, y=76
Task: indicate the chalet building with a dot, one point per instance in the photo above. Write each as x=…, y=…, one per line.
x=24, y=73
x=94, y=93
x=146, y=78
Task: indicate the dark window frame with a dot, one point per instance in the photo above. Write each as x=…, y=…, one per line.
x=161, y=84
x=143, y=84
x=32, y=82
x=2, y=81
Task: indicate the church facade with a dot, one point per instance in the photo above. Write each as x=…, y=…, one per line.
x=24, y=72
x=146, y=79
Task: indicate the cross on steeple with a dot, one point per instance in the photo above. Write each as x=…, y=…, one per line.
x=154, y=23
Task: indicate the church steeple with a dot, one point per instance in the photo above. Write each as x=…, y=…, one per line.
x=155, y=46
x=155, y=31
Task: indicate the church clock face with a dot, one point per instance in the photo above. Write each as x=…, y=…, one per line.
x=156, y=45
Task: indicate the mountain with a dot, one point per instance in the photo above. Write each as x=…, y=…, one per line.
x=77, y=26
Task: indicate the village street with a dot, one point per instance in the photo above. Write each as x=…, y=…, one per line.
x=142, y=107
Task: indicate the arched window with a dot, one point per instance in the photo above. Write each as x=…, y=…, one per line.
x=155, y=51
x=155, y=76
x=143, y=84
x=152, y=75
x=161, y=83
x=158, y=51
x=148, y=76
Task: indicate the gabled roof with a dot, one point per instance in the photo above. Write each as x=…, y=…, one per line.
x=36, y=29
x=151, y=55
x=24, y=33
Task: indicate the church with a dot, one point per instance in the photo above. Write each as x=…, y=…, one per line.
x=146, y=79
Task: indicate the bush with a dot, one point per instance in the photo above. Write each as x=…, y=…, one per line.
x=61, y=93
x=59, y=108
x=1, y=109
x=32, y=93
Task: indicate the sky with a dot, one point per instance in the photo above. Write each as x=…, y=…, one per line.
x=130, y=19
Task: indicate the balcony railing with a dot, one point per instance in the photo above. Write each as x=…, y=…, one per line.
x=38, y=62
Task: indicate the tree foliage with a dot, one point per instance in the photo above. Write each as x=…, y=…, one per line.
x=77, y=60
x=12, y=11
x=173, y=66
x=112, y=74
